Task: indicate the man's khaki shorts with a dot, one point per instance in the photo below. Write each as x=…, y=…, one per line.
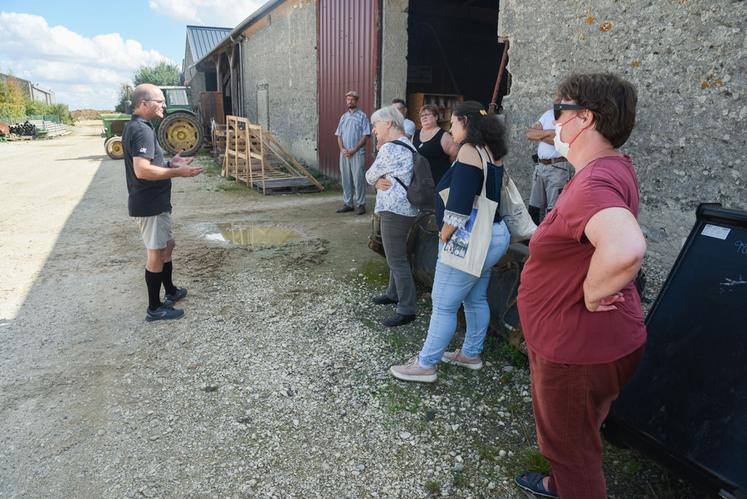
x=155, y=230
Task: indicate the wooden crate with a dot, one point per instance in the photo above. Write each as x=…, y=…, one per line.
x=253, y=156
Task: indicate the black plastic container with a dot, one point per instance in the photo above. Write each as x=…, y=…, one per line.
x=686, y=406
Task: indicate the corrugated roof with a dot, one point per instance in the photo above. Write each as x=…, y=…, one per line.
x=203, y=39
x=257, y=14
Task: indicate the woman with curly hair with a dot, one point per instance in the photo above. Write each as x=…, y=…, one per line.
x=479, y=136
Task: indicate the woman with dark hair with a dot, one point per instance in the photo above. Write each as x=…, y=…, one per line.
x=434, y=143
x=479, y=135
x=579, y=307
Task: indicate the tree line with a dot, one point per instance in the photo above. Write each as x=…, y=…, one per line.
x=15, y=105
x=162, y=74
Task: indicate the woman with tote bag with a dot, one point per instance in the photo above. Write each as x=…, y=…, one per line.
x=472, y=239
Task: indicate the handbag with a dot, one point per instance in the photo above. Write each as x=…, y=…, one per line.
x=468, y=246
x=513, y=211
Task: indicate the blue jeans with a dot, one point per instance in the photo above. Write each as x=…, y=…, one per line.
x=451, y=288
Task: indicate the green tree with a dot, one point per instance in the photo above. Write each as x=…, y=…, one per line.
x=62, y=112
x=123, y=105
x=162, y=74
x=35, y=108
x=12, y=101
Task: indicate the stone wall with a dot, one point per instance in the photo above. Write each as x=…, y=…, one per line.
x=394, y=51
x=688, y=59
x=279, y=66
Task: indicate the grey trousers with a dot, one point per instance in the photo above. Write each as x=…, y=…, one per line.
x=353, y=179
x=547, y=184
x=394, y=230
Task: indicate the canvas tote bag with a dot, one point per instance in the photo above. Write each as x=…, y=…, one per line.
x=514, y=213
x=468, y=246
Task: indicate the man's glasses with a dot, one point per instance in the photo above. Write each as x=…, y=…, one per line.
x=559, y=108
x=159, y=101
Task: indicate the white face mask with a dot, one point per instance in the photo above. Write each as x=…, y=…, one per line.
x=562, y=147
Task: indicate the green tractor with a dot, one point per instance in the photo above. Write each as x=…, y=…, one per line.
x=178, y=131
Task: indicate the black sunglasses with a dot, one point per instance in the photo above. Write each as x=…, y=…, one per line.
x=559, y=108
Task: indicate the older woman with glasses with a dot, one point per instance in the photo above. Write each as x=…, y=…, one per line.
x=390, y=173
x=578, y=304
x=435, y=143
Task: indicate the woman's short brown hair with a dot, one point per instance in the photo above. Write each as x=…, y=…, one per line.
x=430, y=108
x=610, y=99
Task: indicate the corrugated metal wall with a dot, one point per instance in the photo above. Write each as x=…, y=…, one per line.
x=348, y=41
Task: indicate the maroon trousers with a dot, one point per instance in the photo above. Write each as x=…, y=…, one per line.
x=570, y=403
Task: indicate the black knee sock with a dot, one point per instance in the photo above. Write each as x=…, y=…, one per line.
x=534, y=212
x=153, y=281
x=168, y=285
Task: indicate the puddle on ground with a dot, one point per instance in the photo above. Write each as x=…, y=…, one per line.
x=253, y=235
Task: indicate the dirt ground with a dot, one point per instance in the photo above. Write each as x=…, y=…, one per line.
x=275, y=382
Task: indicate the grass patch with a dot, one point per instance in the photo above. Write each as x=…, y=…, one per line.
x=376, y=271
x=328, y=183
x=433, y=487
x=486, y=452
x=527, y=459
x=513, y=355
x=398, y=399
x=459, y=479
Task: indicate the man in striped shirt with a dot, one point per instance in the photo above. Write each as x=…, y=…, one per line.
x=352, y=133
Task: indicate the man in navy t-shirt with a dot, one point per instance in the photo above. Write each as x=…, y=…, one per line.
x=149, y=201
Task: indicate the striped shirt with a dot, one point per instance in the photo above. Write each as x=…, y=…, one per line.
x=352, y=127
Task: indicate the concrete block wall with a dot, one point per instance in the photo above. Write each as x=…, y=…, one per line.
x=394, y=51
x=688, y=59
x=281, y=57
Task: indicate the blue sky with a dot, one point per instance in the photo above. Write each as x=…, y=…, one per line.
x=84, y=50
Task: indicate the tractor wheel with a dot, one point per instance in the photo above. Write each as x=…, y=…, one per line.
x=114, y=148
x=180, y=133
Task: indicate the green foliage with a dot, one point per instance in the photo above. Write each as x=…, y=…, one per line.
x=34, y=108
x=162, y=74
x=62, y=112
x=123, y=104
x=12, y=101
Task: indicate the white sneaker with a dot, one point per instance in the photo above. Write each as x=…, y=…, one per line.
x=459, y=359
x=411, y=371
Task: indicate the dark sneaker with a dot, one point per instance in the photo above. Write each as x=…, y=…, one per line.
x=164, y=313
x=175, y=296
x=398, y=320
x=361, y=210
x=383, y=300
x=345, y=209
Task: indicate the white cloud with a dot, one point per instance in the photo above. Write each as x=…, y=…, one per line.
x=207, y=12
x=83, y=72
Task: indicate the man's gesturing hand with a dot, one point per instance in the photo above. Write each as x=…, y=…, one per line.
x=178, y=161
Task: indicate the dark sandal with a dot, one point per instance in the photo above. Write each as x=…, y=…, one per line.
x=532, y=481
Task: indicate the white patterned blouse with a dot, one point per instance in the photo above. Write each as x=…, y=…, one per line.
x=392, y=161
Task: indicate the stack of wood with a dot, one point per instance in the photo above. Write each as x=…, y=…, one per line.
x=254, y=156
x=218, y=141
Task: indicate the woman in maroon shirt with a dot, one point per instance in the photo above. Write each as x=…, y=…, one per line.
x=579, y=308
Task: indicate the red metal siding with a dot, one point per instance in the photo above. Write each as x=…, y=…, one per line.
x=348, y=53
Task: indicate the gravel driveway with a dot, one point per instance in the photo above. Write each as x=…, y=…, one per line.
x=274, y=384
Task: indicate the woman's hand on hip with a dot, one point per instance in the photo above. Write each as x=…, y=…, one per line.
x=606, y=304
x=383, y=184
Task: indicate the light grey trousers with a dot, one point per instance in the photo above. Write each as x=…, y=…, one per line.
x=353, y=179
x=394, y=230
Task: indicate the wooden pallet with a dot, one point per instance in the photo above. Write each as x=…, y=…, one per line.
x=253, y=156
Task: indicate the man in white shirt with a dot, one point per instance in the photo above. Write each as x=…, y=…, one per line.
x=409, y=124
x=551, y=170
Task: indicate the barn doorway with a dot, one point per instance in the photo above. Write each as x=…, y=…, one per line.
x=453, y=54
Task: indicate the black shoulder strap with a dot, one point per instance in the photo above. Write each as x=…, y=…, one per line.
x=399, y=143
